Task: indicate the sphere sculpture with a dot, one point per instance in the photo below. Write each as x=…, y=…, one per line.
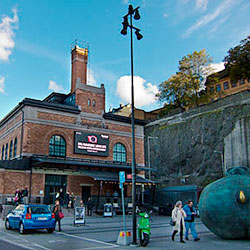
x=225, y=206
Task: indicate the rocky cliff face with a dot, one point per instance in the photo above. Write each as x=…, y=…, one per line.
x=183, y=151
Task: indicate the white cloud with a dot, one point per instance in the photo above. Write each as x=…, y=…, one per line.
x=144, y=93
x=7, y=43
x=2, y=86
x=220, y=10
x=91, y=78
x=56, y=87
x=216, y=67
x=201, y=4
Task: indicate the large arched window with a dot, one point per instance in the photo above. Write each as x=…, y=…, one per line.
x=119, y=153
x=11, y=149
x=6, y=152
x=57, y=146
x=2, y=152
x=15, y=147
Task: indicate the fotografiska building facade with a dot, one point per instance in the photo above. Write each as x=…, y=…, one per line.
x=67, y=141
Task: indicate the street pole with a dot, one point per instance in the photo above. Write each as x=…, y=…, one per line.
x=132, y=12
x=133, y=139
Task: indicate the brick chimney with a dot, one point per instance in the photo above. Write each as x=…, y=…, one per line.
x=79, y=60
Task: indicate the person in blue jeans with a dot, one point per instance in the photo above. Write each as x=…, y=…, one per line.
x=189, y=220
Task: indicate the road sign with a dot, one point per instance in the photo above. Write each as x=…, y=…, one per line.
x=122, y=176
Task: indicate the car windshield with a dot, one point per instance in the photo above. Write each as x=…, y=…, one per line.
x=39, y=210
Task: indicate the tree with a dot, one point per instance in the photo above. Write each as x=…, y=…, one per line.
x=237, y=62
x=183, y=89
x=175, y=91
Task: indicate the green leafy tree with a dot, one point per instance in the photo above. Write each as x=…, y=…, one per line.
x=185, y=87
x=237, y=62
x=175, y=91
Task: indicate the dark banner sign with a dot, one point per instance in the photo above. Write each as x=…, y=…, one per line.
x=91, y=144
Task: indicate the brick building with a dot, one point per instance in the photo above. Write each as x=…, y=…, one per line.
x=225, y=86
x=68, y=142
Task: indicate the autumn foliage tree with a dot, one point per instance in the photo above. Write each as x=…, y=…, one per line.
x=185, y=87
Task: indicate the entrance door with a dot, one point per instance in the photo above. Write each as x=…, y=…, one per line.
x=53, y=183
x=86, y=193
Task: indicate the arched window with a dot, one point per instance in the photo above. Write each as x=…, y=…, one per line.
x=119, y=153
x=11, y=149
x=15, y=147
x=93, y=103
x=6, y=152
x=89, y=102
x=2, y=153
x=57, y=146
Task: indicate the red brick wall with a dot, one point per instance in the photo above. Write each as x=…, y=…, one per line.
x=82, y=97
x=13, y=180
x=38, y=183
x=73, y=184
x=79, y=59
x=15, y=133
x=55, y=117
x=37, y=137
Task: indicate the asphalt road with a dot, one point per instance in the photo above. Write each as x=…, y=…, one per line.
x=101, y=233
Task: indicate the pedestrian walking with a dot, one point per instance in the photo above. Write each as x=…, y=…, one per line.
x=189, y=220
x=67, y=199
x=89, y=206
x=56, y=210
x=72, y=200
x=25, y=194
x=61, y=197
x=178, y=215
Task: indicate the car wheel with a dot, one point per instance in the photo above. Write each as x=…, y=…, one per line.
x=50, y=230
x=21, y=228
x=7, y=225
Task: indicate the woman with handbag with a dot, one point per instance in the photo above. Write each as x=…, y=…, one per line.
x=58, y=213
x=178, y=215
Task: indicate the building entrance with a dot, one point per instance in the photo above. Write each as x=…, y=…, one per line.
x=53, y=183
x=86, y=193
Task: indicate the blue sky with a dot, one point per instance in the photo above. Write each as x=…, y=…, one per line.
x=35, y=39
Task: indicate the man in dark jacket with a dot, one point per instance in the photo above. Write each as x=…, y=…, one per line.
x=89, y=206
x=189, y=220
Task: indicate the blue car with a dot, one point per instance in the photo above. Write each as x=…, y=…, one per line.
x=26, y=217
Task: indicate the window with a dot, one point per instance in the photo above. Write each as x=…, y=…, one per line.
x=89, y=102
x=11, y=149
x=2, y=152
x=6, y=152
x=15, y=147
x=242, y=81
x=218, y=87
x=225, y=85
x=57, y=146
x=119, y=153
x=233, y=83
x=212, y=90
x=93, y=103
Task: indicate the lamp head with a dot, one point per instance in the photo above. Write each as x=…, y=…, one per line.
x=139, y=36
x=137, y=15
x=124, y=31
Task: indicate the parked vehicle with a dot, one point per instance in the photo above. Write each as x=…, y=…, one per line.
x=26, y=217
x=144, y=228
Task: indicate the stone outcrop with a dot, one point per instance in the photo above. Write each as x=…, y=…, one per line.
x=190, y=147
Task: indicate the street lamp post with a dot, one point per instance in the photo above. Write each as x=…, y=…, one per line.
x=132, y=13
